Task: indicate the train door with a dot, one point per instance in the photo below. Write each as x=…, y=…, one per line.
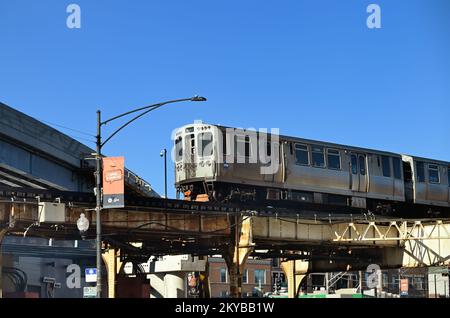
x=358, y=172
x=273, y=167
x=190, y=156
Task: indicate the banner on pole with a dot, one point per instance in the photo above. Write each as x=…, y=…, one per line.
x=113, y=182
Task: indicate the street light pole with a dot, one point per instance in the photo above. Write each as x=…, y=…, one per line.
x=164, y=154
x=98, y=170
x=98, y=194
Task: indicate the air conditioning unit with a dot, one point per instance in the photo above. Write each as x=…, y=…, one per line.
x=50, y=212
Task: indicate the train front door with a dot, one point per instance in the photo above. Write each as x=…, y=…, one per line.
x=358, y=172
x=190, y=156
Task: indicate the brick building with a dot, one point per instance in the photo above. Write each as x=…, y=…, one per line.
x=258, y=278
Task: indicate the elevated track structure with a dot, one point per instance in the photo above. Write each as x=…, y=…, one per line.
x=307, y=241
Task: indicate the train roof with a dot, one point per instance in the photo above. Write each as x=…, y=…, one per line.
x=345, y=147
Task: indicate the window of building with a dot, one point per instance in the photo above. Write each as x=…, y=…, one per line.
x=260, y=276
x=385, y=280
x=301, y=154
x=179, y=148
x=318, y=156
x=394, y=282
x=397, y=168
x=433, y=174
x=223, y=293
x=362, y=165
x=386, y=166
x=245, y=276
x=334, y=159
x=223, y=275
x=418, y=282
x=420, y=167
x=243, y=146
x=205, y=144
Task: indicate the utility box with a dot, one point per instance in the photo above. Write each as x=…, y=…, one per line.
x=50, y=212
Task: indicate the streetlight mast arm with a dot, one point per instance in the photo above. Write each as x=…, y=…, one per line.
x=195, y=98
x=129, y=122
x=148, y=109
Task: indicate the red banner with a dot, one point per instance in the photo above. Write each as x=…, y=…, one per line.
x=113, y=182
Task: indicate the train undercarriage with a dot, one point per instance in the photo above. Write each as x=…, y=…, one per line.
x=256, y=196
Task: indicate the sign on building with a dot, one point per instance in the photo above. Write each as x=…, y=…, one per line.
x=91, y=275
x=113, y=182
x=404, y=286
x=89, y=292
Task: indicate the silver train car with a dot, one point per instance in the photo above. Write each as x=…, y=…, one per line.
x=216, y=163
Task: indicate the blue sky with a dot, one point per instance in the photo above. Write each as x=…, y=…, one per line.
x=311, y=68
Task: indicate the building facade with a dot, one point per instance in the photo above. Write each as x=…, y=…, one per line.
x=259, y=277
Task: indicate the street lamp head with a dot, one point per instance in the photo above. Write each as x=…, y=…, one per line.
x=163, y=152
x=198, y=99
x=82, y=223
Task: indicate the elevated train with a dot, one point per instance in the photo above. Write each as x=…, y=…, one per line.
x=216, y=163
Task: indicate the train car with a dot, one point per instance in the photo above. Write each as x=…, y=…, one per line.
x=216, y=163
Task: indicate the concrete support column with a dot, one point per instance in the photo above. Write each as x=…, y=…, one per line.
x=112, y=266
x=236, y=256
x=235, y=278
x=175, y=285
x=295, y=271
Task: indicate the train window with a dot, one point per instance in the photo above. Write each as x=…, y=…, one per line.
x=397, y=168
x=179, y=149
x=354, y=165
x=386, y=166
x=205, y=144
x=224, y=144
x=433, y=174
x=334, y=159
x=243, y=146
x=269, y=149
x=248, y=147
x=291, y=148
x=318, y=156
x=420, y=167
x=448, y=174
x=362, y=165
x=301, y=154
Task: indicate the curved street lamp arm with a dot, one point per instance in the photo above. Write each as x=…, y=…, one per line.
x=147, y=107
x=132, y=120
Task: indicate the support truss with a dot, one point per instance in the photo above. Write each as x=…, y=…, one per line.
x=394, y=231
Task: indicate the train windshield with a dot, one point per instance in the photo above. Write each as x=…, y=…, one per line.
x=205, y=144
x=179, y=149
